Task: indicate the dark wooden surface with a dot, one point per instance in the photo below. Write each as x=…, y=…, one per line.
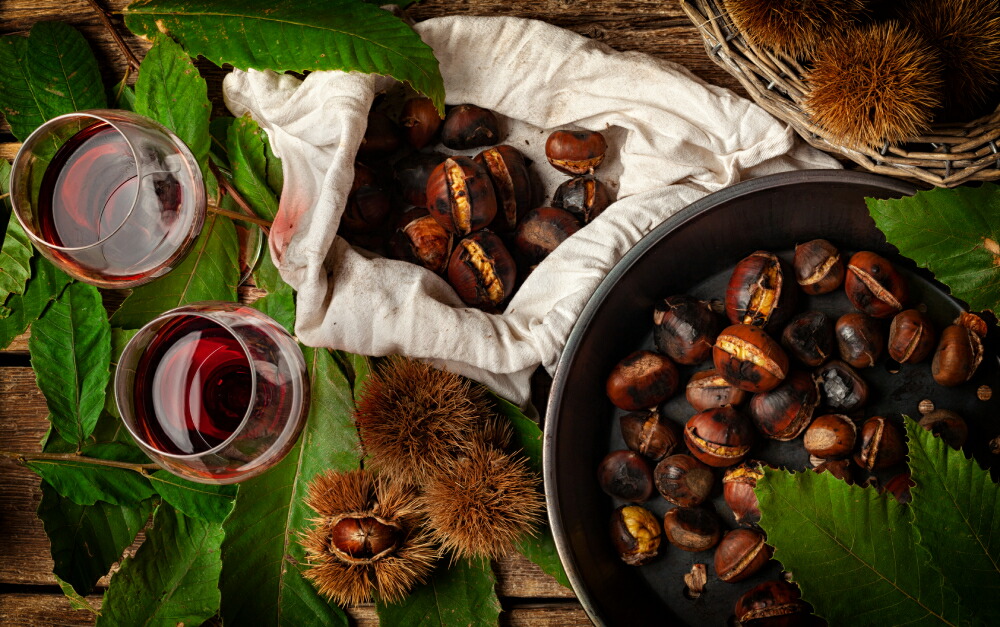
x=28, y=591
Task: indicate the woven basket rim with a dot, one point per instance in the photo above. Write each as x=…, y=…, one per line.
x=948, y=155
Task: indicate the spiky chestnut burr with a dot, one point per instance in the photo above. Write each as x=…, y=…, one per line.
x=368, y=538
x=415, y=419
x=483, y=504
x=793, y=27
x=874, y=84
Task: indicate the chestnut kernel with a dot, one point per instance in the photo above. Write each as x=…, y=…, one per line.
x=749, y=359
x=759, y=292
x=421, y=240
x=830, y=435
x=481, y=270
x=882, y=445
x=911, y=337
x=843, y=390
x=584, y=196
x=708, y=389
x=819, y=268
x=381, y=137
x=635, y=533
x=650, y=434
x=738, y=485
x=685, y=328
x=771, y=603
x=740, y=554
x=958, y=355
x=809, y=338
x=643, y=379
x=899, y=486
x=784, y=412
x=626, y=475
x=509, y=174
x=412, y=173
x=719, y=437
x=948, y=425
x=860, y=339
x=541, y=231
x=683, y=480
x=420, y=121
x=575, y=152
x=364, y=539
x=874, y=286
x=460, y=195
x=692, y=528
x=468, y=126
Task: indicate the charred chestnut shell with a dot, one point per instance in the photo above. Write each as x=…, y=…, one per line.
x=540, y=232
x=650, y=434
x=784, y=412
x=860, y=339
x=842, y=389
x=719, y=437
x=626, y=475
x=481, y=270
x=760, y=292
x=809, y=338
x=685, y=328
x=468, y=126
x=642, y=380
x=683, y=480
x=460, y=195
x=749, y=359
x=584, y=196
x=874, y=285
x=708, y=389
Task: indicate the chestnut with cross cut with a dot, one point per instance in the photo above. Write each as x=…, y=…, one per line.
x=874, y=286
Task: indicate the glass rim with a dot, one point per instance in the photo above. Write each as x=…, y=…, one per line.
x=175, y=313
x=100, y=115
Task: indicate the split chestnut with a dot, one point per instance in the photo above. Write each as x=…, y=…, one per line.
x=719, y=437
x=642, y=380
x=749, y=359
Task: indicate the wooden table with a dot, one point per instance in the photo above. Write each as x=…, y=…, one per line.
x=28, y=591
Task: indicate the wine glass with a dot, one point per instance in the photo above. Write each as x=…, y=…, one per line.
x=214, y=392
x=110, y=197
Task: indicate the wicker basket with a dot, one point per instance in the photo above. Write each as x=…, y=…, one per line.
x=949, y=155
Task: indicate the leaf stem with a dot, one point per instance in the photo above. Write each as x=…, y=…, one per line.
x=24, y=458
x=236, y=215
x=244, y=206
x=2, y=196
x=130, y=57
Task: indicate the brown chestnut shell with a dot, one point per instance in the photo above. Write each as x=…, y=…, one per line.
x=626, y=475
x=784, y=413
x=584, y=196
x=772, y=604
x=508, y=172
x=740, y=554
x=958, y=355
x=575, y=152
x=468, y=126
x=947, y=425
x=830, y=435
x=738, y=485
x=911, y=337
x=421, y=239
x=860, y=339
x=882, y=444
x=683, y=480
x=641, y=380
x=412, y=173
x=420, y=121
x=719, y=437
x=692, y=528
x=635, y=534
x=749, y=359
x=460, y=195
x=540, y=232
x=685, y=328
x=809, y=338
x=760, y=292
x=708, y=389
x=843, y=390
x=874, y=285
x=818, y=266
x=650, y=434
x=481, y=270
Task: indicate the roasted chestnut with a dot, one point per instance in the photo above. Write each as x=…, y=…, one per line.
x=749, y=359
x=460, y=195
x=511, y=183
x=635, y=533
x=367, y=210
x=540, y=231
x=738, y=489
x=899, y=486
x=708, y=389
x=874, y=286
x=882, y=445
x=911, y=337
x=584, y=196
x=784, y=412
x=412, y=173
x=363, y=539
x=381, y=137
x=575, y=152
x=818, y=267
x=719, y=437
x=860, y=339
x=759, y=292
x=772, y=604
x=481, y=270
x=420, y=121
x=808, y=337
x=643, y=379
x=683, y=480
x=958, y=355
x=842, y=389
x=839, y=468
x=468, y=126
x=420, y=239
x=650, y=434
x=948, y=425
x=741, y=553
x=692, y=528
x=685, y=328
x=626, y=475
x=830, y=435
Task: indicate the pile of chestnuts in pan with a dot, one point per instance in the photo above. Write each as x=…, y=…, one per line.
x=764, y=370
x=471, y=219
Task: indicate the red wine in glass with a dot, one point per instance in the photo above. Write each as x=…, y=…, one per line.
x=193, y=387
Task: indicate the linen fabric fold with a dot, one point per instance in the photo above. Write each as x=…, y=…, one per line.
x=672, y=140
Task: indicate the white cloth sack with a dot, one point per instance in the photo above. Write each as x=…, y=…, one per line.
x=672, y=140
